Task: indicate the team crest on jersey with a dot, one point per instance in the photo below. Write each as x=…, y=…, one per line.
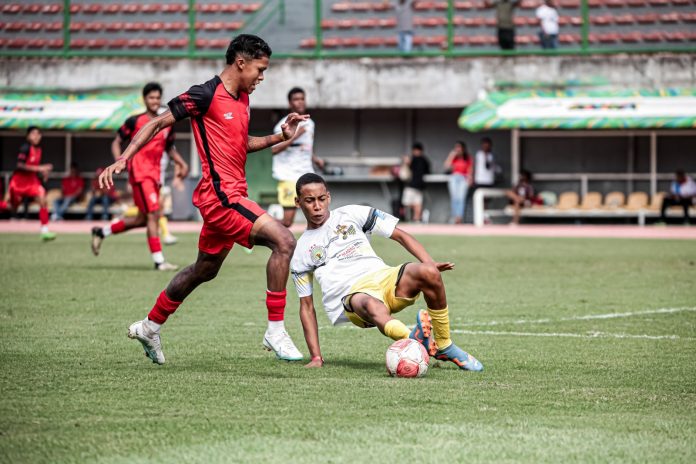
x=318, y=255
x=345, y=231
x=228, y=115
x=153, y=197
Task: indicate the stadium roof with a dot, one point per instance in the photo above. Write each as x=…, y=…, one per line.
x=630, y=109
x=88, y=110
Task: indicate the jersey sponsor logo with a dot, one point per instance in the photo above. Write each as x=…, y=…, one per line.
x=228, y=115
x=345, y=231
x=318, y=254
x=153, y=197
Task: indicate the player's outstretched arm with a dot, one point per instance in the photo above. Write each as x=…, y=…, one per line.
x=288, y=131
x=143, y=136
x=414, y=247
x=308, y=316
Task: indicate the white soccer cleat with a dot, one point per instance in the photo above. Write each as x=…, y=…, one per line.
x=170, y=240
x=282, y=345
x=149, y=339
x=165, y=266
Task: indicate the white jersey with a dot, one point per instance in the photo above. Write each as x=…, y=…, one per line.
x=296, y=159
x=484, y=168
x=339, y=253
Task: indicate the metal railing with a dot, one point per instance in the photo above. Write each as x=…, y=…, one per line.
x=273, y=14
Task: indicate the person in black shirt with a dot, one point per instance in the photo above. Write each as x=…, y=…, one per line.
x=419, y=166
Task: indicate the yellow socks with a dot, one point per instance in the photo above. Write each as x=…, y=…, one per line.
x=441, y=326
x=396, y=330
x=164, y=226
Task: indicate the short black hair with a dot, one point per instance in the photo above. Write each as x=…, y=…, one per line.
x=295, y=90
x=308, y=178
x=151, y=87
x=526, y=174
x=680, y=173
x=417, y=146
x=487, y=140
x=31, y=128
x=74, y=165
x=249, y=46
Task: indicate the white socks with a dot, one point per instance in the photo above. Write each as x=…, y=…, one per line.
x=152, y=325
x=44, y=229
x=158, y=257
x=275, y=327
x=106, y=231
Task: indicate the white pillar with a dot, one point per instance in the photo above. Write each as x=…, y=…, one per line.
x=653, y=163
x=515, y=155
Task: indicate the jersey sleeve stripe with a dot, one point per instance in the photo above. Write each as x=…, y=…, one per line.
x=371, y=221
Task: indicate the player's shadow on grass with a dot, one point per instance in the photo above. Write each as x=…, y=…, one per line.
x=355, y=364
x=121, y=267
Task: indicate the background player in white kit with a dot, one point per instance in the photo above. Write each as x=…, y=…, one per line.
x=293, y=157
x=357, y=286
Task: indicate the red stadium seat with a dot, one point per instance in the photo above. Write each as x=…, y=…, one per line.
x=479, y=21
x=31, y=9
x=523, y=39
x=308, y=43
x=677, y=36
x=387, y=23
x=646, y=18
x=36, y=43
x=14, y=27
x=654, y=36
x=441, y=6
x=608, y=37
x=75, y=8
x=93, y=8
x=54, y=43
x=208, y=7
x=631, y=37
x=635, y=3
x=209, y=25
x=519, y=21
x=352, y=42
x=94, y=26
x=567, y=4
x=361, y=6
x=174, y=8
x=232, y=25
x=658, y=2
x=681, y=2
x=480, y=5
x=151, y=8
x=135, y=43
x=391, y=42
x=464, y=6
x=423, y=6
x=340, y=7
x=175, y=26
x=154, y=26
x=78, y=43
x=669, y=18
x=53, y=26
x=11, y=8
x=432, y=22
x=131, y=8
x=382, y=6
x=134, y=26
x=156, y=43
x=569, y=38
x=369, y=23
x=178, y=43
x=230, y=7
x=114, y=26
x=460, y=39
x=331, y=42
x=97, y=43
x=604, y=20
x=251, y=7
x=688, y=17
x=76, y=26
x=373, y=41
x=576, y=20
x=436, y=40
x=51, y=9
x=346, y=23
x=615, y=3
x=34, y=26
x=112, y=8
x=118, y=43
x=329, y=23
x=17, y=43
x=624, y=19
x=595, y=3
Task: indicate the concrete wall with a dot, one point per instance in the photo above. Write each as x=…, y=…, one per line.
x=366, y=82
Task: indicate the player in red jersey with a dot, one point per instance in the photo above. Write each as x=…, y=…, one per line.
x=219, y=112
x=144, y=177
x=25, y=182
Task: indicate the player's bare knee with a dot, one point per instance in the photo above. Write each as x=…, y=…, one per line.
x=206, y=271
x=286, y=244
x=430, y=274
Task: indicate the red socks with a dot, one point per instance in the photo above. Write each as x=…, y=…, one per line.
x=154, y=244
x=43, y=216
x=275, y=302
x=118, y=227
x=164, y=307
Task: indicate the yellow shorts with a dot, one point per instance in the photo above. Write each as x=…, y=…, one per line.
x=382, y=286
x=286, y=194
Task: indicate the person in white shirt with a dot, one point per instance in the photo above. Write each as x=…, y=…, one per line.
x=357, y=286
x=548, y=15
x=682, y=193
x=293, y=157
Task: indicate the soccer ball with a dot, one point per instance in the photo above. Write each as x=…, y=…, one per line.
x=407, y=358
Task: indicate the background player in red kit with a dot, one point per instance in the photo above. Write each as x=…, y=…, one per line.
x=25, y=182
x=144, y=174
x=219, y=112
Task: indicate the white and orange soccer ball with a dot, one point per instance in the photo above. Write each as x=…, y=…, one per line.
x=407, y=358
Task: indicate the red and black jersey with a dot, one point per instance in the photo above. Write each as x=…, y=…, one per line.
x=221, y=128
x=146, y=163
x=31, y=156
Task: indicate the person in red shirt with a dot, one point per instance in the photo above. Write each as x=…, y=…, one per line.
x=25, y=182
x=219, y=113
x=458, y=164
x=71, y=187
x=144, y=176
x=100, y=195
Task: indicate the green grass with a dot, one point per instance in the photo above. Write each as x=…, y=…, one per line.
x=73, y=388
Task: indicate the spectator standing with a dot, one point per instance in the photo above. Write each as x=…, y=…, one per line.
x=104, y=196
x=504, y=12
x=548, y=15
x=682, y=193
x=71, y=189
x=404, y=23
x=522, y=195
x=458, y=164
x=419, y=166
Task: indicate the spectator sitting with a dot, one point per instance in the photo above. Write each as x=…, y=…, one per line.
x=522, y=195
x=105, y=197
x=682, y=193
x=548, y=15
x=419, y=166
x=72, y=187
x=458, y=165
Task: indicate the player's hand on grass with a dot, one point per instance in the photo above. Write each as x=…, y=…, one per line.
x=442, y=267
x=289, y=127
x=316, y=361
x=106, y=178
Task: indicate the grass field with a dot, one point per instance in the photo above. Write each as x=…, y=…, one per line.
x=558, y=386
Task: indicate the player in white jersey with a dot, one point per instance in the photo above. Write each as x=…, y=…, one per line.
x=293, y=157
x=357, y=286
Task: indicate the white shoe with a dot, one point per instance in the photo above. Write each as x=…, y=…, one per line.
x=282, y=345
x=170, y=240
x=149, y=339
x=165, y=266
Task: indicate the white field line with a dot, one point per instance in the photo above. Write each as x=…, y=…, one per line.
x=579, y=318
x=571, y=335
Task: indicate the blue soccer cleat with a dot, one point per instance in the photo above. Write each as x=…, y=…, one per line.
x=422, y=332
x=459, y=357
